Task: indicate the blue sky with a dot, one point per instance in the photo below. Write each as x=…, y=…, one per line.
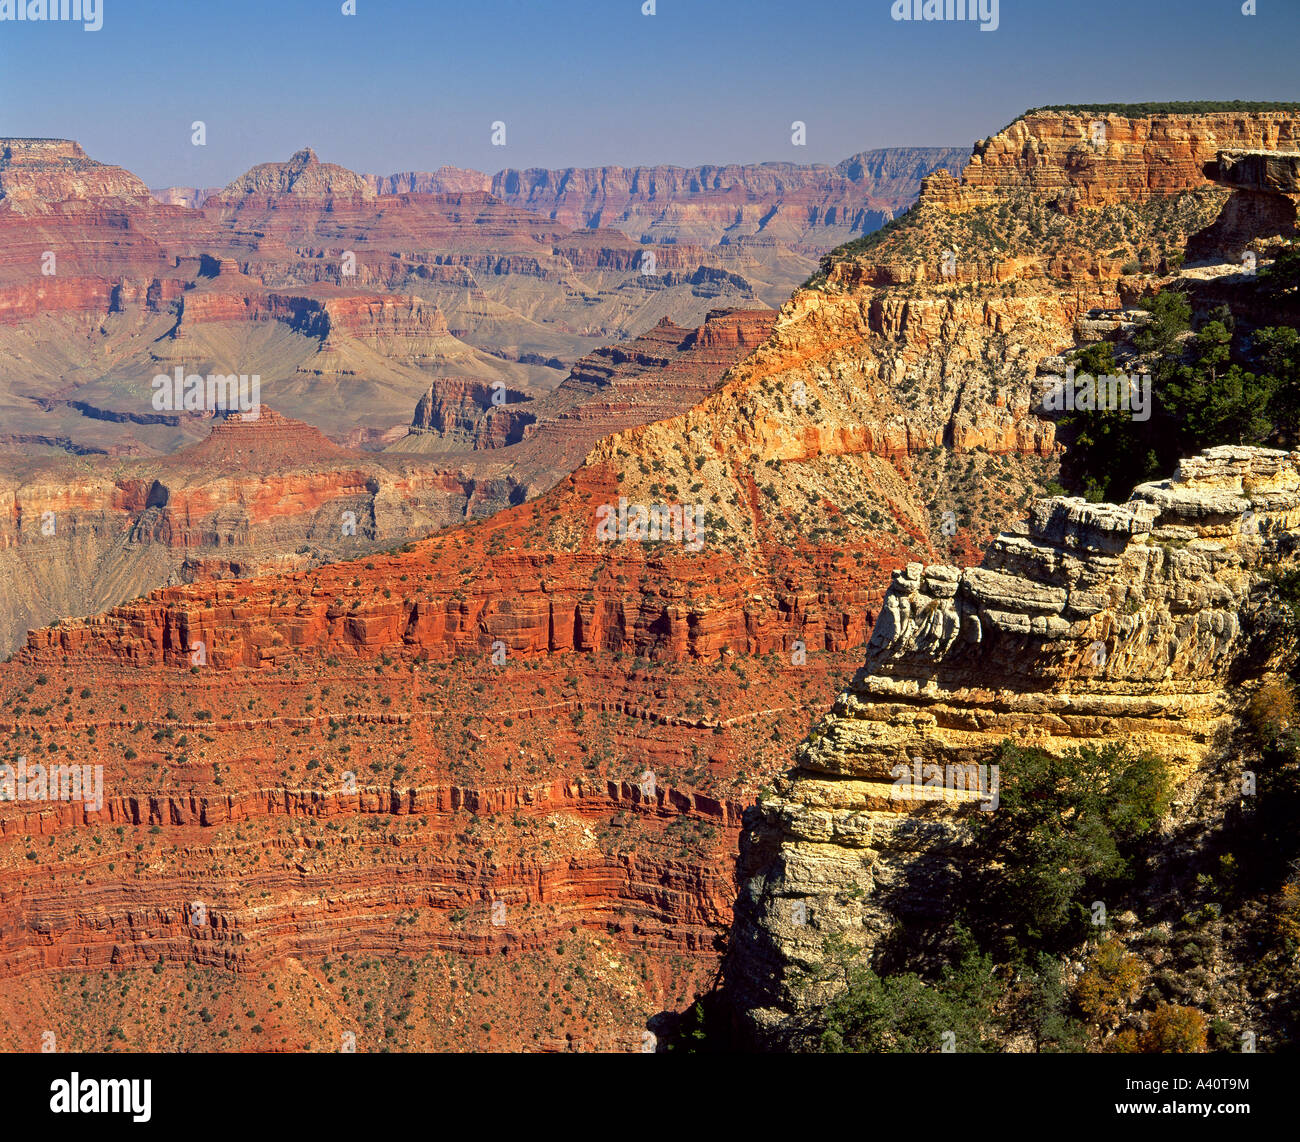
x=414, y=84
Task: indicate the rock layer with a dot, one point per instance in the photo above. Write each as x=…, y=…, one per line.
x=805, y=208
x=824, y=462
x=1078, y=161
x=1095, y=623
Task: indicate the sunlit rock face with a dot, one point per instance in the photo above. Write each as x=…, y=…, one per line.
x=1137, y=623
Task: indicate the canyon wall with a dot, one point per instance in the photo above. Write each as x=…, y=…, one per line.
x=273, y=494
x=1082, y=160
x=807, y=208
x=1145, y=624
x=885, y=426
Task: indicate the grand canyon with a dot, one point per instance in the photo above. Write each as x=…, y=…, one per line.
x=571, y=642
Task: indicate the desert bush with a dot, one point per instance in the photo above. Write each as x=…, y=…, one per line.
x=1286, y=915
x=1271, y=711
x=1065, y=834
x=1111, y=982
x=1172, y=1029
x=905, y=1013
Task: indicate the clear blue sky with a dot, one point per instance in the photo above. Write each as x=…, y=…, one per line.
x=414, y=84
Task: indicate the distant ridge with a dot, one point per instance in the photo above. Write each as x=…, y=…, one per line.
x=804, y=207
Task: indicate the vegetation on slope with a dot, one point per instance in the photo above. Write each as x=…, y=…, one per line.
x=1137, y=236
x=1069, y=831
x=1213, y=383
x=1167, y=107
x=1196, y=946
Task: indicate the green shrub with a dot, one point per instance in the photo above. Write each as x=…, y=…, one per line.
x=903, y=1013
x=1065, y=833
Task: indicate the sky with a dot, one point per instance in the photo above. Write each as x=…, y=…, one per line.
x=415, y=84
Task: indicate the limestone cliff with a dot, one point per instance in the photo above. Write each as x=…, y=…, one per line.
x=1088, y=160
x=1137, y=623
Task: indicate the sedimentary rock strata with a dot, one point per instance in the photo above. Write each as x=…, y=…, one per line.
x=1131, y=623
x=1083, y=160
x=303, y=176
x=508, y=683
x=805, y=208
x=1260, y=214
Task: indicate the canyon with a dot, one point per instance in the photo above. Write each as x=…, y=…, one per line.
x=500, y=775
x=274, y=493
x=355, y=310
